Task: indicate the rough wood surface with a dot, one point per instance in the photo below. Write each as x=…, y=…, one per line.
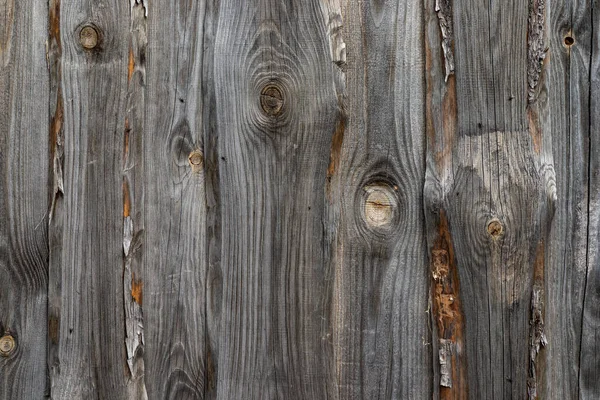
x=299, y=199
x=490, y=197
x=173, y=240
x=382, y=344
x=87, y=342
x=589, y=356
x=567, y=122
x=23, y=199
x=276, y=113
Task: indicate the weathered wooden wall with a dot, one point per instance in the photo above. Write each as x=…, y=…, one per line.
x=299, y=199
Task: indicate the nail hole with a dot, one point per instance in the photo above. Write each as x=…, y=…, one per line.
x=88, y=37
x=271, y=100
x=569, y=41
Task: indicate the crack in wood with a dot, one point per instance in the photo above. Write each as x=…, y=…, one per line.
x=537, y=337
x=447, y=312
x=132, y=224
x=140, y=3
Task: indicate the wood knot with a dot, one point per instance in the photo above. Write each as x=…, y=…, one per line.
x=88, y=37
x=379, y=205
x=495, y=228
x=271, y=100
x=196, y=160
x=7, y=345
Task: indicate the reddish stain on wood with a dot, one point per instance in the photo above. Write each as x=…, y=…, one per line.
x=126, y=199
x=336, y=147
x=447, y=309
x=441, y=146
x=130, y=64
x=54, y=23
x=136, y=289
x=450, y=118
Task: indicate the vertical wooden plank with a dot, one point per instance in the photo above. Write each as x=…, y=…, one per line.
x=86, y=261
x=589, y=378
x=133, y=195
x=380, y=323
x=490, y=196
x=567, y=121
x=174, y=216
x=276, y=111
x=23, y=199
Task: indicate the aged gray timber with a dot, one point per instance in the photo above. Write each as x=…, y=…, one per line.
x=382, y=344
x=568, y=125
x=276, y=112
x=589, y=375
x=24, y=85
x=299, y=199
x=490, y=197
x=86, y=227
x=173, y=240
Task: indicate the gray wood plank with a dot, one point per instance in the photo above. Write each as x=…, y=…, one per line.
x=24, y=85
x=490, y=197
x=276, y=113
x=567, y=123
x=382, y=343
x=87, y=346
x=174, y=202
x=589, y=377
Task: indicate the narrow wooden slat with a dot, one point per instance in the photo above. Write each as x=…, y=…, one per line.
x=381, y=334
x=87, y=346
x=567, y=122
x=23, y=199
x=589, y=376
x=174, y=227
x=276, y=112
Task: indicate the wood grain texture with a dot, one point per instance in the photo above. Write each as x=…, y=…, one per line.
x=274, y=339
x=174, y=238
x=299, y=199
x=589, y=357
x=382, y=343
x=490, y=179
x=567, y=122
x=86, y=262
x=23, y=198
